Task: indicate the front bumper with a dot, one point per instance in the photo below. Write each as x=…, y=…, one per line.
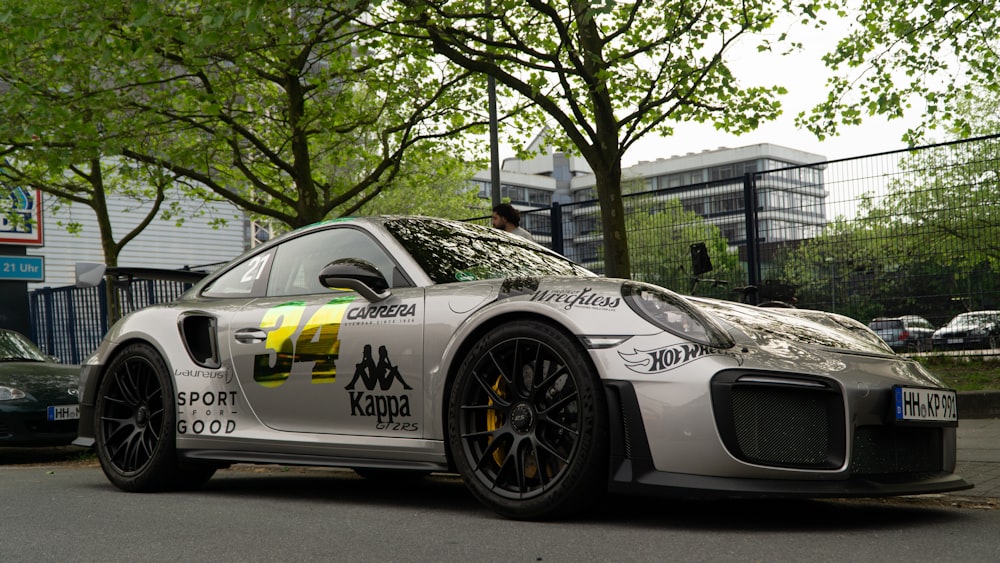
x=873, y=469
x=30, y=427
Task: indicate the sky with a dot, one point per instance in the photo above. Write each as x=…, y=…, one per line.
x=804, y=75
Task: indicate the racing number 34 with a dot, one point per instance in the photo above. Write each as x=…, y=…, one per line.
x=294, y=345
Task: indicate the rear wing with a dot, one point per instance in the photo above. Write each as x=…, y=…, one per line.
x=89, y=274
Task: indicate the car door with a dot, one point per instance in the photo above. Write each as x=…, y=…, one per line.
x=311, y=359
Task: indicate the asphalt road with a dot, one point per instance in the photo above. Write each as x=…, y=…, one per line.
x=58, y=507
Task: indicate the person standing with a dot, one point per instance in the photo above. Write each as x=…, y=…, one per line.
x=507, y=218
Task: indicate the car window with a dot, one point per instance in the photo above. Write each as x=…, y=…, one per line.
x=885, y=324
x=245, y=279
x=450, y=252
x=298, y=261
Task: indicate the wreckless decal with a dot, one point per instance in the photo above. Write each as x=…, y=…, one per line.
x=584, y=298
x=665, y=359
x=291, y=342
x=378, y=378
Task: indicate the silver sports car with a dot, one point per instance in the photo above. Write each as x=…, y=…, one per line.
x=402, y=346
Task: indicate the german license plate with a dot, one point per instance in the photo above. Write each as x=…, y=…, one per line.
x=955, y=341
x=63, y=412
x=919, y=404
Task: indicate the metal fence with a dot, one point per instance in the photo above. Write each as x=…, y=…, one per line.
x=69, y=322
x=909, y=232
x=912, y=232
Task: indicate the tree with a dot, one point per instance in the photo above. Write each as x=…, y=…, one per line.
x=661, y=233
x=290, y=112
x=933, y=53
x=930, y=238
x=437, y=186
x=602, y=75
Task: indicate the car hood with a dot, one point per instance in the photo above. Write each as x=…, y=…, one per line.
x=963, y=329
x=43, y=381
x=766, y=326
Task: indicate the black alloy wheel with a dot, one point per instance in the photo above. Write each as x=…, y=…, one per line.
x=135, y=425
x=527, y=423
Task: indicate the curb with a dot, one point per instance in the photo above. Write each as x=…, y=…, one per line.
x=978, y=404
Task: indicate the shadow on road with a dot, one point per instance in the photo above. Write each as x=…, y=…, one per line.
x=46, y=455
x=447, y=493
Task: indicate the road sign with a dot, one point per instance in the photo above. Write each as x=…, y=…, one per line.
x=22, y=268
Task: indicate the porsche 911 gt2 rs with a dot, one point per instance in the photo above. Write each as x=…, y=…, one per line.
x=409, y=345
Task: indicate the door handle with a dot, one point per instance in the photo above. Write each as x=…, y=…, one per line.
x=250, y=335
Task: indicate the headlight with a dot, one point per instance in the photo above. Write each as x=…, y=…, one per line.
x=10, y=393
x=674, y=314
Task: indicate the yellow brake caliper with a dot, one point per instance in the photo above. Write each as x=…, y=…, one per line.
x=493, y=419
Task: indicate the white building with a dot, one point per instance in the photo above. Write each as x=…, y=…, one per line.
x=163, y=244
x=709, y=183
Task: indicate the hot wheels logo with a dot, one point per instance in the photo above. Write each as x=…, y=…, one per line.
x=664, y=359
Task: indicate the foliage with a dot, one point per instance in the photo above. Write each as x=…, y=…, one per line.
x=290, y=112
x=437, y=186
x=906, y=55
x=661, y=233
x=964, y=373
x=928, y=245
x=599, y=76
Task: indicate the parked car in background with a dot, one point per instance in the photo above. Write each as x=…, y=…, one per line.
x=908, y=333
x=39, y=403
x=978, y=329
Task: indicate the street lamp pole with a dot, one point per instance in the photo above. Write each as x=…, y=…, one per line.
x=491, y=88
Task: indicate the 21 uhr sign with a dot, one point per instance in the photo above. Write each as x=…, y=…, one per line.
x=20, y=216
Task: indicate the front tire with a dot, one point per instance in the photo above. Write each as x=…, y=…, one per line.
x=135, y=421
x=527, y=423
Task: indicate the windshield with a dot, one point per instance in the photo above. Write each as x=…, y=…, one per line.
x=972, y=319
x=16, y=348
x=450, y=251
x=886, y=325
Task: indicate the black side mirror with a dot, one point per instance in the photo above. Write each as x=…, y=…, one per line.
x=700, y=261
x=358, y=275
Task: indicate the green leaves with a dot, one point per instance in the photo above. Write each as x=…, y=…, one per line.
x=899, y=53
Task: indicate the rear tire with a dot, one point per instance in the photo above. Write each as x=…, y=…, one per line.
x=135, y=418
x=527, y=423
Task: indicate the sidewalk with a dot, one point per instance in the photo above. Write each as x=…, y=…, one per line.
x=979, y=456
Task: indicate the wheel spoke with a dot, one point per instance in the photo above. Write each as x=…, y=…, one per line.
x=559, y=403
x=490, y=391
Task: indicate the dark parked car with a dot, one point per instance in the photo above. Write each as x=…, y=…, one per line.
x=908, y=333
x=39, y=404
x=978, y=329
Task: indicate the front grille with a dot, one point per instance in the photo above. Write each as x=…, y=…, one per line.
x=780, y=420
x=881, y=450
x=781, y=426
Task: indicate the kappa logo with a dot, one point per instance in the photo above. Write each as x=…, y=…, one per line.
x=383, y=373
x=665, y=359
x=385, y=407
